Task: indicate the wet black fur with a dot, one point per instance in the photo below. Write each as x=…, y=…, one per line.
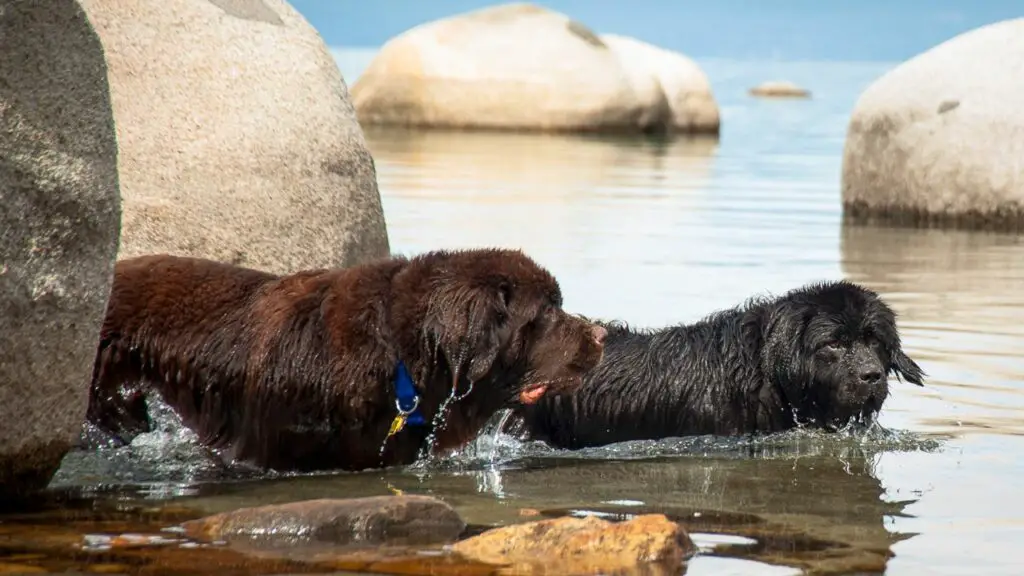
x=818, y=356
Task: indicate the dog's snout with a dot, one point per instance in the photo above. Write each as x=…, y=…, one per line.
x=870, y=375
x=599, y=333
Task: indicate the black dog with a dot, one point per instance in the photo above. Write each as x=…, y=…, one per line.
x=818, y=356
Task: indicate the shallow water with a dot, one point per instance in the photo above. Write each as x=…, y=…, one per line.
x=657, y=232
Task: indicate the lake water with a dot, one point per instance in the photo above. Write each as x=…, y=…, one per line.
x=657, y=232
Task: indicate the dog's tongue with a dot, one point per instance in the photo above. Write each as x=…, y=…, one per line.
x=532, y=394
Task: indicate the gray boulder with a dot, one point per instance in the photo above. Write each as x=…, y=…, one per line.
x=374, y=520
x=939, y=139
x=237, y=138
x=59, y=215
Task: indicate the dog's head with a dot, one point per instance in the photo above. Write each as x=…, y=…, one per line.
x=497, y=318
x=830, y=348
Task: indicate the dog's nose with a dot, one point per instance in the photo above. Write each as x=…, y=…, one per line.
x=599, y=333
x=870, y=375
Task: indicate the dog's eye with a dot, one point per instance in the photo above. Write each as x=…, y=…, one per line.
x=549, y=315
x=505, y=292
x=833, y=345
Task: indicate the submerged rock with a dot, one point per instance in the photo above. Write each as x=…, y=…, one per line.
x=400, y=520
x=515, y=66
x=779, y=89
x=587, y=545
x=59, y=222
x=237, y=138
x=938, y=140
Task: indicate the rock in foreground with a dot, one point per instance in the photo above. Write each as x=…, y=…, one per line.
x=939, y=139
x=238, y=141
x=691, y=103
x=510, y=67
x=59, y=222
x=779, y=89
x=588, y=545
x=399, y=520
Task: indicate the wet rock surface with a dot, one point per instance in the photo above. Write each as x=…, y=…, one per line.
x=103, y=537
x=587, y=545
x=787, y=542
x=392, y=520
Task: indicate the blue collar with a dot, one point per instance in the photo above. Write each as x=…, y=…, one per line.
x=407, y=400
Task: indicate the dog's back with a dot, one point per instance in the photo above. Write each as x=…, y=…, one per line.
x=767, y=365
x=650, y=384
x=169, y=294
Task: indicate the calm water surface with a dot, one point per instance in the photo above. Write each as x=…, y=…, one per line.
x=658, y=232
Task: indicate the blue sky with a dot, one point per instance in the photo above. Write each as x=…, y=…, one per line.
x=865, y=30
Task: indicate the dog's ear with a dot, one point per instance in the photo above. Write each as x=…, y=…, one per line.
x=783, y=358
x=905, y=368
x=469, y=326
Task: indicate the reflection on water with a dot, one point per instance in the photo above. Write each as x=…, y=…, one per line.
x=960, y=297
x=807, y=501
x=662, y=231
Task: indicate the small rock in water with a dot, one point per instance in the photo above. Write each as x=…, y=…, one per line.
x=780, y=90
x=403, y=520
x=587, y=545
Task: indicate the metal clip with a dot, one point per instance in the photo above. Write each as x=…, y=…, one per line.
x=415, y=405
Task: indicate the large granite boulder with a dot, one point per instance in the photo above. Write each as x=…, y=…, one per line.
x=939, y=139
x=510, y=67
x=59, y=215
x=691, y=102
x=237, y=138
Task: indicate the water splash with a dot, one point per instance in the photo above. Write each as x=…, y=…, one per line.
x=166, y=462
x=440, y=420
x=502, y=444
x=437, y=424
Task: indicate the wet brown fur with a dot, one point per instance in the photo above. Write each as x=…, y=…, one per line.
x=296, y=372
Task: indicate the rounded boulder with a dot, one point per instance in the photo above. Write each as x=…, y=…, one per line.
x=238, y=141
x=938, y=140
x=509, y=67
x=59, y=216
x=691, y=103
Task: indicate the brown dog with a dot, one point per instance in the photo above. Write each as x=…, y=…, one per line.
x=315, y=370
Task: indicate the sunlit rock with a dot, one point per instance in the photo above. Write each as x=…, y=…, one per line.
x=237, y=139
x=515, y=66
x=587, y=545
x=779, y=89
x=691, y=103
x=938, y=140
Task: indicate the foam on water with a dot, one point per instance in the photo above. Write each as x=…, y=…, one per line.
x=165, y=462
